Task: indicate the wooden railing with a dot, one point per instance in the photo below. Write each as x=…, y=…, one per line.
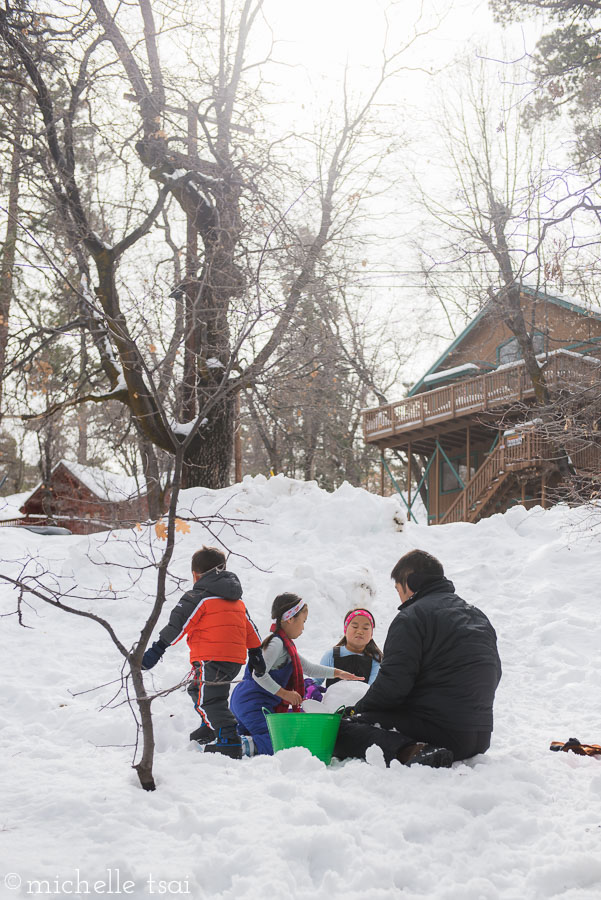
x=496, y=389
x=529, y=445
x=587, y=459
x=525, y=446
x=478, y=485
x=524, y=449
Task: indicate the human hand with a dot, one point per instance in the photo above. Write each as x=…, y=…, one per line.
x=347, y=676
x=256, y=663
x=291, y=697
x=153, y=654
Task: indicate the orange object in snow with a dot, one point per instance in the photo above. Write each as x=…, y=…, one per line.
x=576, y=747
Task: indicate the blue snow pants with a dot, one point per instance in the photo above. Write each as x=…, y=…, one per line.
x=247, y=702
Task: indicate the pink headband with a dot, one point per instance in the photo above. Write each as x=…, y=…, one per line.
x=291, y=613
x=358, y=612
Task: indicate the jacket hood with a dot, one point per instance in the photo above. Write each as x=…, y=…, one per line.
x=219, y=584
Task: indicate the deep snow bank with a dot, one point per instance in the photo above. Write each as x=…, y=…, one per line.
x=518, y=822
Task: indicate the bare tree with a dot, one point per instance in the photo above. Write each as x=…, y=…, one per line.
x=307, y=410
x=489, y=227
x=9, y=248
x=233, y=197
x=495, y=227
x=33, y=583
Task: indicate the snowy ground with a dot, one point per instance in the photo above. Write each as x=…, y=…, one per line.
x=519, y=823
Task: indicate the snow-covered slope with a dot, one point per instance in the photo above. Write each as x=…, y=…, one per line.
x=519, y=822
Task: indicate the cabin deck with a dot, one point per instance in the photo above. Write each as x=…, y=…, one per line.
x=432, y=412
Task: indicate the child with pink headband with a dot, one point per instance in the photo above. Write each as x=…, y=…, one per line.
x=282, y=686
x=356, y=651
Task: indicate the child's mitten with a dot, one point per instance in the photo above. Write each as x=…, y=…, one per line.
x=313, y=691
x=153, y=654
x=256, y=663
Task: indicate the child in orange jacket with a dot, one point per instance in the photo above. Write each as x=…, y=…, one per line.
x=219, y=631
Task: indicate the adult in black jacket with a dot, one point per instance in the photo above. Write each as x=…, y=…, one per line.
x=437, y=680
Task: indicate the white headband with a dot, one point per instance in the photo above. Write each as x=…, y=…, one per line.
x=291, y=613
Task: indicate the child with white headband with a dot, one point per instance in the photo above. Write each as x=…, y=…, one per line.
x=356, y=651
x=282, y=685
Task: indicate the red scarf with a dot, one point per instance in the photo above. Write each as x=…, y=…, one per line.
x=296, y=682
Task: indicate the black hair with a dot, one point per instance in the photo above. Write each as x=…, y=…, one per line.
x=371, y=649
x=207, y=558
x=281, y=605
x=418, y=563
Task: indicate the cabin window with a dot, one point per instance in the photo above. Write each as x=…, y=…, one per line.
x=510, y=351
x=448, y=479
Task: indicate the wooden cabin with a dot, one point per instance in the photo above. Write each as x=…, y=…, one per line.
x=85, y=499
x=467, y=430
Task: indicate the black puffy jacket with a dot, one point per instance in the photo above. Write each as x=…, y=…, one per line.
x=440, y=662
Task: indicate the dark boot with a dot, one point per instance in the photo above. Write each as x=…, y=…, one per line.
x=426, y=755
x=227, y=744
x=203, y=734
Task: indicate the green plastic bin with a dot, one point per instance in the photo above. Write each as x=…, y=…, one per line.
x=315, y=731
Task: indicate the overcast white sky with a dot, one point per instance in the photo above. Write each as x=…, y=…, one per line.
x=323, y=35
x=318, y=39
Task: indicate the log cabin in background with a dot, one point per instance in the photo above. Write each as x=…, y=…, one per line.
x=85, y=499
x=467, y=429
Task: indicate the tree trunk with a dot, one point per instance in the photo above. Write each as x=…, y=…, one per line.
x=418, y=465
x=309, y=464
x=45, y=464
x=208, y=461
x=310, y=449
x=237, y=441
x=192, y=289
x=144, y=767
x=10, y=246
x=514, y=316
x=510, y=301
x=269, y=443
x=511, y=304
x=82, y=409
x=154, y=496
x=82, y=434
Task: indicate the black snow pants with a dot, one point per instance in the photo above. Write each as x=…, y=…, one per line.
x=360, y=732
x=210, y=690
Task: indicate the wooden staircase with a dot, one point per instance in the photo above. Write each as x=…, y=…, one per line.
x=524, y=452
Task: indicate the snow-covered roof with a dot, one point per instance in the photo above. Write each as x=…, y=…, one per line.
x=576, y=304
x=106, y=485
x=10, y=506
x=456, y=370
x=592, y=360
x=570, y=299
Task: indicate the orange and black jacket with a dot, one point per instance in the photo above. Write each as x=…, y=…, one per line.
x=214, y=619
